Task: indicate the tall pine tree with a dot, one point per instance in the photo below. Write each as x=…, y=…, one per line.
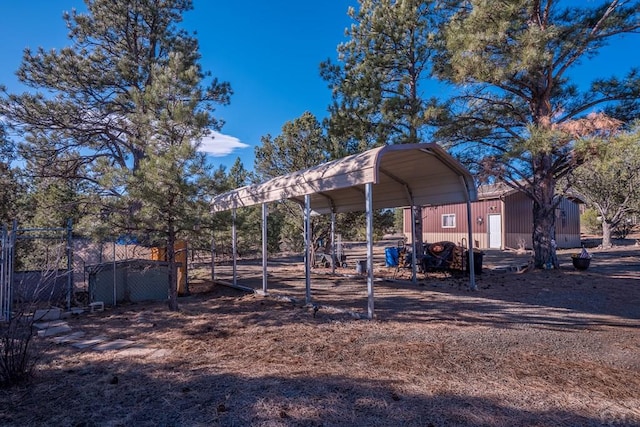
x=519, y=114
x=378, y=84
x=126, y=97
x=382, y=80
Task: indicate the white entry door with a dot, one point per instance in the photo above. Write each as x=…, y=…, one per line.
x=495, y=231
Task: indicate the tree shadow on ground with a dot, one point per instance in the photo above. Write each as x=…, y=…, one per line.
x=144, y=393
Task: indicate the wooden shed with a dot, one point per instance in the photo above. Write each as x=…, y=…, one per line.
x=502, y=218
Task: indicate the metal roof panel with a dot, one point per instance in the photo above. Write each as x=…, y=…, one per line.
x=424, y=171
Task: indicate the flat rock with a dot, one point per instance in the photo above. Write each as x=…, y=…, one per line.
x=64, y=339
x=47, y=325
x=47, y=314
x=88, y=343
x=136, y=352
x=73, y=312
x=56, y=330
x=113, y=345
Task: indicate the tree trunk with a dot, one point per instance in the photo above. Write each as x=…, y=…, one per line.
x=213, y=258
x=606, y=233
x=173, y=273
x=544, y=235
x=544, y=219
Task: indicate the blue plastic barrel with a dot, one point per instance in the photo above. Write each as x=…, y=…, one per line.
x=391, y=256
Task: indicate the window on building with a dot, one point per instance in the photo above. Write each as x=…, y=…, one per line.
x=448, y=221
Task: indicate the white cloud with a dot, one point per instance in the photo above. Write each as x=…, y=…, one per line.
x=220, y=145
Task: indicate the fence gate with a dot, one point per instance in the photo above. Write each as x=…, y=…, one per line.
x=45, y=279
x=7, y=252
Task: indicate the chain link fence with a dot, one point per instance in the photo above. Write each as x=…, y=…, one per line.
x=35, y=269
x=41, y=268
x=118, y=271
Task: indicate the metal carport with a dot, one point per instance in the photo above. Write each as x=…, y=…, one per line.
x=385, y=177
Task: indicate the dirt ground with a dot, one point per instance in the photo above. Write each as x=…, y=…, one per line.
x=537, y=348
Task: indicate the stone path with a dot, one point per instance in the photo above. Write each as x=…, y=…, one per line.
x=60, y=332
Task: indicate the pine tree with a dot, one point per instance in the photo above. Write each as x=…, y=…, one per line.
x=97, y=118
x=378, y=83
x=519, y=116
x=165, y=195
x=9, y=186
x=301, y=145
x=127, y=97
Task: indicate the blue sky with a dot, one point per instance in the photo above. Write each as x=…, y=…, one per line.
x=269, y=51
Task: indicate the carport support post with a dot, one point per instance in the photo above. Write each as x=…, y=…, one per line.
x=472, y=272
x=334, y=255
x=472, y=268
x=414, y=258
x=264, y=247
x=368, y=193
x=12, y=264
x=115, y=284
x=69, y=262
x=234, y=246
x=307, y=246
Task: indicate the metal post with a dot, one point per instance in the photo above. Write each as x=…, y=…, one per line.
x=69, y=262
x=265, y=213
x=335, y=257
x=11, y=263
x=115, y=286
x=368, y=191
x=5, y=285
x=3, y=282
x=472, y=272
x=234, y=247
x=307, y=246
x=414, y=277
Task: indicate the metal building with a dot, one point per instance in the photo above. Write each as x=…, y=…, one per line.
x=502, y=218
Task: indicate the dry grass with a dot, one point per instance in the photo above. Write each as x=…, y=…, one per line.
x=537, y=349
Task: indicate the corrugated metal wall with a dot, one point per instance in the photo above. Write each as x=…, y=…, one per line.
x=568, y=224
x=459, y=234
x=432, y=222
x=518, y=221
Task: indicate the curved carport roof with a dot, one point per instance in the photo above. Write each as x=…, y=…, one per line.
x=385, y=177
x=424, y=172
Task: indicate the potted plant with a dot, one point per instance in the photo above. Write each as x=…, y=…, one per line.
x=582, y=260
